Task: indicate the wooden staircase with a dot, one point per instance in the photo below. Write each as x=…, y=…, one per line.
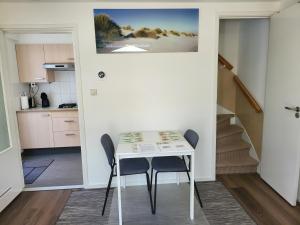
x=232, y=152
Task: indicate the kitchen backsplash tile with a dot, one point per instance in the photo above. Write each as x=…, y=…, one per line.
x=63, y=90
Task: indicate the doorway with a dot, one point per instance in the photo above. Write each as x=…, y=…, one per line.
x=243, y=49
x=48, y=126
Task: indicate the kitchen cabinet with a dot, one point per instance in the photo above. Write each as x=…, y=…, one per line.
x=59, y=53
x=65, y=129
x=30, y=60
x=35, y=129
x=48, y=129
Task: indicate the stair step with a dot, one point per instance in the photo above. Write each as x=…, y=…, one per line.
x=242, y=165
x=223, y=117
x=233, y=146
x=228, y=131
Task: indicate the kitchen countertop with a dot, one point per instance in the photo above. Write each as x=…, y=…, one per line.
x=48, y=109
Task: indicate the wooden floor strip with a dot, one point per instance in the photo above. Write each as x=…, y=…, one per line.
x=260, y=201
x=35, y=208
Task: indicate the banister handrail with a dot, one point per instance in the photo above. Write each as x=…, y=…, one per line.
x=247, y=94
x=224, y=62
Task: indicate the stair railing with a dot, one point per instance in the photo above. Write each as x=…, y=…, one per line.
x=224, y=62
x=241, y=85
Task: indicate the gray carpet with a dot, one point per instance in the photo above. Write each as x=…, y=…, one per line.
x=220, y=207
x=173, y=207
x=84, y=207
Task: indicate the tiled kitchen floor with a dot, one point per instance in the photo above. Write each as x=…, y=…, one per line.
x=65, y=170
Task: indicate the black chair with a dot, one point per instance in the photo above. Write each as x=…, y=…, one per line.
x=174, y=164
x=127, y=166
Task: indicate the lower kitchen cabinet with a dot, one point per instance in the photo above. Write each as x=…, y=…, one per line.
x=35, y=129
x=48, y=129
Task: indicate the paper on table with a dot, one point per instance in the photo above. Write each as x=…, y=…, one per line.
x=173, y=147
x=146, y=147
x=180, y=146
x=165, y=147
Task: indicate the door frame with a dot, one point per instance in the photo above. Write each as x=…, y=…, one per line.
x=219, y=15
x=55, y=28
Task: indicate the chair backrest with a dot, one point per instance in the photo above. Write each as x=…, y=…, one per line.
x=192, y=137
x=109, y=148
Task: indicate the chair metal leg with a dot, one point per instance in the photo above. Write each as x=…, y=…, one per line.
x=198, y=195
x=197, y=192
x=155, y=192
x=149, y=190
x=151, y=178
x=107, y=191
x=187, y=172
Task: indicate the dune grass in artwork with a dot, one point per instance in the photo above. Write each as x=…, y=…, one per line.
x=151, y=30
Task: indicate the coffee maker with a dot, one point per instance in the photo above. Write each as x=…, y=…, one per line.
x=45, y=100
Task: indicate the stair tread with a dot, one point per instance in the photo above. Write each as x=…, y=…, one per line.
x=229, y=130
x=233, y=146
x=223, y=117
x=246, y=161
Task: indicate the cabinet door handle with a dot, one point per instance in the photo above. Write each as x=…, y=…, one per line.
x=70, y=134
x=70, y=58
x=39, y=78
x=69, y=121
x=46, y=115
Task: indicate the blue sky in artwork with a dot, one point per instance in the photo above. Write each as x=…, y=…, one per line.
x=183, y=20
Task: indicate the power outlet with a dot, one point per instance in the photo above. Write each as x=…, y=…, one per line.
x=93, y=92
x=33, y=85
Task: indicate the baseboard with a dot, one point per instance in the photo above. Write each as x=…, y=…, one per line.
x=49, y=151
x=54, y=188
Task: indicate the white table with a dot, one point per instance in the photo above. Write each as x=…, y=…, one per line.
x=153, y=144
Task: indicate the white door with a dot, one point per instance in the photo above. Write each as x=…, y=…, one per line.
x=280, y=162
x=11, y=176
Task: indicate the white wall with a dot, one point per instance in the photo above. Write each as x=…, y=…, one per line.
x=229, y=38
x=141, y=91
x=253, y=53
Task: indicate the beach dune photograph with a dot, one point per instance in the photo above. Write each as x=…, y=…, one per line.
x=146, y=30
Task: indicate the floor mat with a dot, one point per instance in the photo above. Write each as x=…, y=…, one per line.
x=32, y=169
x=220, y=207
x=173, y=207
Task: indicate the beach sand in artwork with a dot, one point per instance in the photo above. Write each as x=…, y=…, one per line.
x=167, y=44
x=111, y=37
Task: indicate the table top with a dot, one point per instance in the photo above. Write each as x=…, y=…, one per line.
x=152, y=143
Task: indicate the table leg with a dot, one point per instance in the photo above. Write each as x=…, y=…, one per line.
x=192, y=186
x=119, y=190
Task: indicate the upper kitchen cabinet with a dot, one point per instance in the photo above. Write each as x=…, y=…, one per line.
x=59, y=53
x=30, y=60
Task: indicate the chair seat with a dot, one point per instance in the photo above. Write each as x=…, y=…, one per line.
x=133, y=166
x=168, y=164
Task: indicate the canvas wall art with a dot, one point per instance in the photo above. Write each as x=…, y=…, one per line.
x=146, y=30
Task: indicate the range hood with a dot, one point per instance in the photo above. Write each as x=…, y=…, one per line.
x=59, y=66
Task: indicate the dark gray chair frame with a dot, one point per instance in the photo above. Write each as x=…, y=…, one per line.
x=188, y=169
x=112, y=164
